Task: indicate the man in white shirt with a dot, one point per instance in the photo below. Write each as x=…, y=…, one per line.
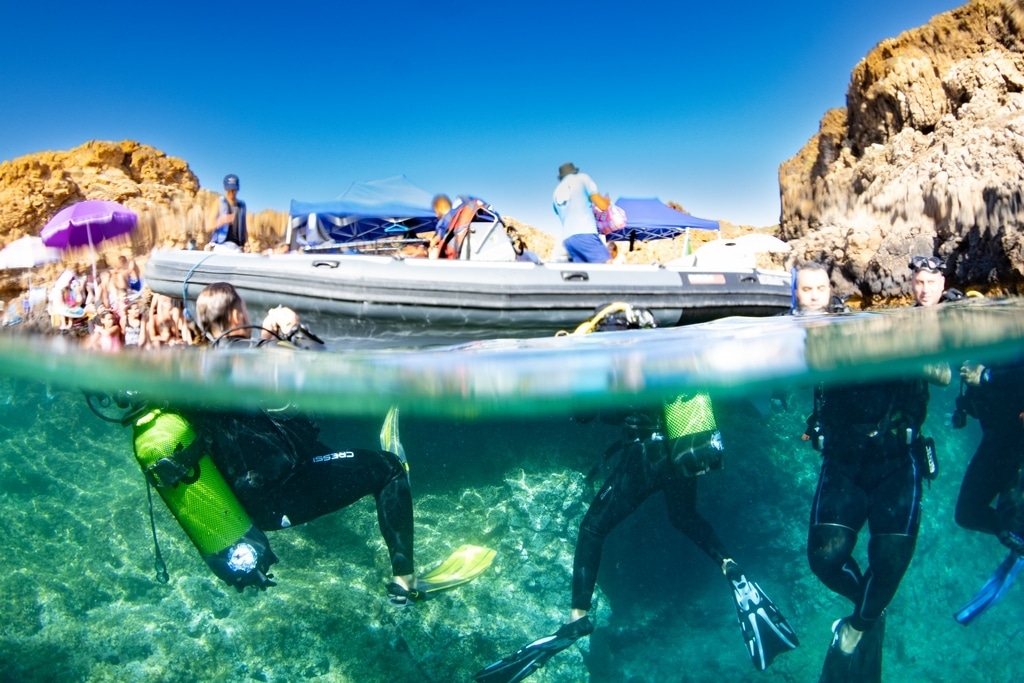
x=574, y=202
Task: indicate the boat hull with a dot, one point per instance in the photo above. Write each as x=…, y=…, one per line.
x=386, y=296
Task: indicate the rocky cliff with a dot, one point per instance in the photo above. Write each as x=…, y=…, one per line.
x=171, y=206
x=161, y=189
x=926, y=158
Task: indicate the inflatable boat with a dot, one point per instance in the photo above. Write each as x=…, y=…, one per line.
x=388, y=296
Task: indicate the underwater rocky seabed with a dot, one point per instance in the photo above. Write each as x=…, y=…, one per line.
x=82, y=603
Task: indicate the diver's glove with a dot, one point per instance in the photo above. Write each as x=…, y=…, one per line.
x=974, y=374
x=1013, y=541
x=938, y=374
x=245, y=562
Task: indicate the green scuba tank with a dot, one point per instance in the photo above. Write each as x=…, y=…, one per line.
x=689, y=414
x=694, y=442
x=200, y=499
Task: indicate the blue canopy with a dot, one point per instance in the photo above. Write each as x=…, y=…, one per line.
x=651, y=219
x=388, y=207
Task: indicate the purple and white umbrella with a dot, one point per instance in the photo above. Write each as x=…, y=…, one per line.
x=87, y=224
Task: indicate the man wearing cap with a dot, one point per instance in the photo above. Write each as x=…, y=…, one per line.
x=574, y=202
x=230, y=232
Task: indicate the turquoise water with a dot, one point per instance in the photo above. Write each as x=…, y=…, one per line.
x=500, y=456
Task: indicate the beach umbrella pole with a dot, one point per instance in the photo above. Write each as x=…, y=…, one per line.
x=92, y=252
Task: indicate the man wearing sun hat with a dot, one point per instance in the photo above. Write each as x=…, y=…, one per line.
x=574, y=202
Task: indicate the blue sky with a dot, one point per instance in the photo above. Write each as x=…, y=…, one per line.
x=694, y=102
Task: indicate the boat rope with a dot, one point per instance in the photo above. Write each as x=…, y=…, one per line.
x=184, y=292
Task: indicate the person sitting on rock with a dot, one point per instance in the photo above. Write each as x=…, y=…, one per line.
x=106, y=334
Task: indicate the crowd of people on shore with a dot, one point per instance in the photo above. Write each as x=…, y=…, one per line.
x=109, y=312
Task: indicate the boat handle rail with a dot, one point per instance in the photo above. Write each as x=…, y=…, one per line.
x=327, y=264
x=575, y=276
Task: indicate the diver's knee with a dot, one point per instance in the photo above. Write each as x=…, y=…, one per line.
x=891, y=552
x=962, y=516
x=396, y=468
x=966, y=515
x=828, y=547
x=590, y=531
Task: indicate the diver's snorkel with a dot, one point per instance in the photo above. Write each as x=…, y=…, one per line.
x=792, y=289
x=295, y=336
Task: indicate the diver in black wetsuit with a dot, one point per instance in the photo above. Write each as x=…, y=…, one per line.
x=873, y=461
x=663, y=450
x=646, y=466
x=868, y=435
x=273, y=463
x=995, y=396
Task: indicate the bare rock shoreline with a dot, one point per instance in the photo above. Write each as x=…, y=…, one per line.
x=926, y=158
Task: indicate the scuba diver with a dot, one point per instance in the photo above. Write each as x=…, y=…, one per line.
x=874, y=459
x=871, y=473
x=993, y=396
x=812, y=291
x=928, y=284
x=663, y=450
x=229, y=476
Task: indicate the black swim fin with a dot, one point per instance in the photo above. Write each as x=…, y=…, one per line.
x=993, y=590
x=869, y=652
x=765, y=630
x=528, y=659
x=863, y=665
x=839, y=666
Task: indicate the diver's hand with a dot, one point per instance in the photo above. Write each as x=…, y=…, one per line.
x=938, y=374
x=972, y=373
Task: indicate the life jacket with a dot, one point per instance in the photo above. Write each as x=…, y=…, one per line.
x=236, y=230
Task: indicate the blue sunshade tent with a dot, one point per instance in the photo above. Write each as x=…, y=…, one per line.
x=367, y=211
x=652, y=219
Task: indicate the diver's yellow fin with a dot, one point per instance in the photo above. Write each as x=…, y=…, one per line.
x=389, y=440
x=465, y=564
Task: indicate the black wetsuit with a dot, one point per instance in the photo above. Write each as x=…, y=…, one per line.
x=868, y=475
x=283, y=475
x=998, y=403
x=645, y=467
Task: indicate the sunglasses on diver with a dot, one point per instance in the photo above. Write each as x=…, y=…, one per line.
x=930, y=263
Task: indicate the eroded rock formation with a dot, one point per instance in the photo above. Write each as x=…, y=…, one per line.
x=927, y=158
